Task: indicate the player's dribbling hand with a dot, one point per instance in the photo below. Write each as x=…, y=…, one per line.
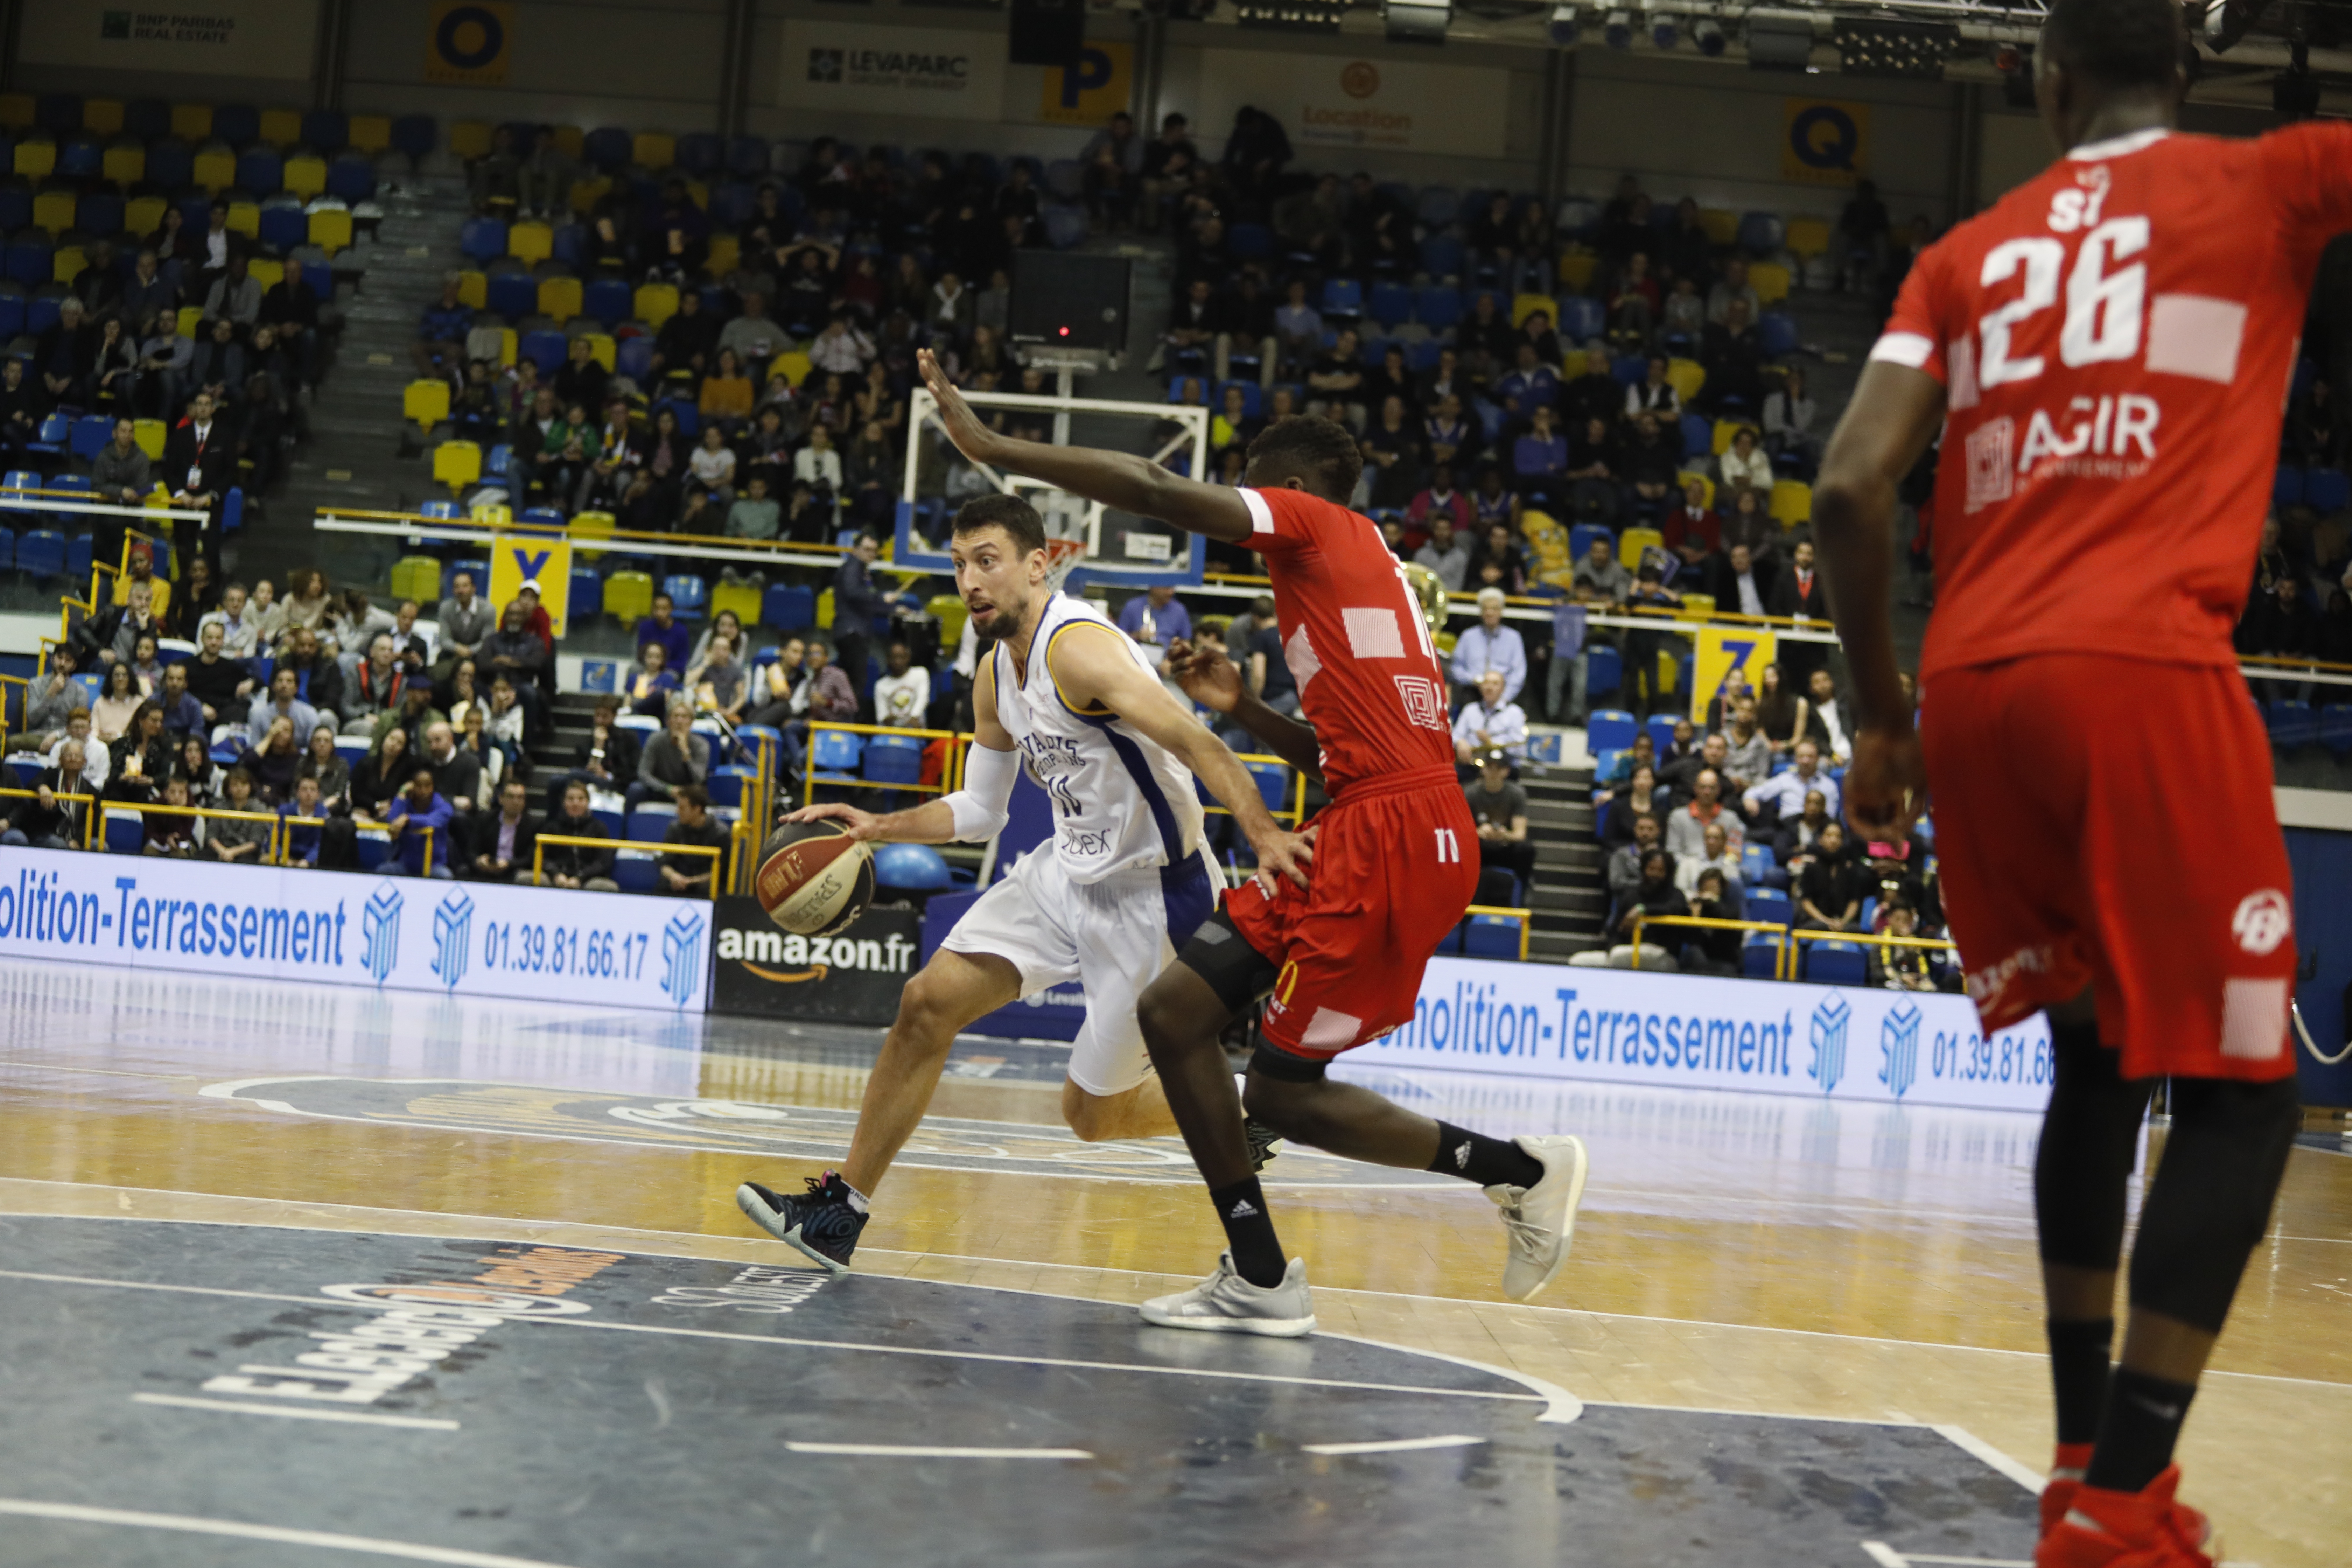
x=971, y=438
x=861, y=824
x=1207, y=676
x=1886, y=788
x=1282, y=856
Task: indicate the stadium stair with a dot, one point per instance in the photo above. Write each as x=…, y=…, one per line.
x=1570, y=894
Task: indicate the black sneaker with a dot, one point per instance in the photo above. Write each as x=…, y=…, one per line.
x=1262, y=1141
x=820, y=1223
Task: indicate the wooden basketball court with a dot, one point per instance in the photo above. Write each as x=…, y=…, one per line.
x=1793, y=1333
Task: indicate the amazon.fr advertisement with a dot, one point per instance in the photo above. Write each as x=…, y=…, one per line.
x=853, y=976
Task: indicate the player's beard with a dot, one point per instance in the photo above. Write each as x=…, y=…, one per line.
x=1006, y=622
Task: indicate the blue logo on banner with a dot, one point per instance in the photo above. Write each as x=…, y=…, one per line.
x=453, y=938
x=682, y=954
x=1899, y=1038
x=380, y=933
x=1829, y=1021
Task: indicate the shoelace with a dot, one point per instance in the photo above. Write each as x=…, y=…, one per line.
x=1527, y=1238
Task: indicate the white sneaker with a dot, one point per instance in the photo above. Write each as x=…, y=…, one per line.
x=1225, y=1303
x=1540, y=1220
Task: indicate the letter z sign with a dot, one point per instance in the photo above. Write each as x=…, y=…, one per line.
x=546, y=561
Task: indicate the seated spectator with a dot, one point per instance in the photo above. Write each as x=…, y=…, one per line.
x=1733, y=292
x=1748, y=756
x=1711, y=951
x=1745, y=465
x=1155, y=618
x=581, y=379
x=1693, y=535
x=1499, y=808
x=726, y=394
x=1715, y=853
x=52, y=697
x=415, y=715
x=902, y=697
x=514, y=650
x=607, y=759
x=1540, y=462
x=1829, y=888
x=720, y=683
x=1391, y=450
x=673, y=758
x=276, y=761
x=1654, y=394
x=754, y=514
x=1449, y=436
x=1489, y=645
x=1784, y=716
x=1529, y=385
x=776, y=684
x=169, y=835
x=315, y=836
x=1623, y=867
x=663, y=626
x=1193, y=323
x=48, y=820
x=1634, y=305
x=457, y=772
x=1651, y=898
x=1335, y=382
x=236, y=840
x=1782, y=793
x=684, y=346
x=375, y=686
x=1447, y=552
x=817, y=465
x=1733, y=356
x=421, y=823
x=119, y=474
x=323, y=765
x=576, y=865
x=381, y=775
x=1642, y=754
x=239, y=623
x=117, y=704
x=1493, y=725
x=1798, y=838
x=1904, y=968
x=1686, y=828
x=1827, y=724
x=689, y=876
x=1626, y=806
x=1649, y=459
x=1790, y=415
x=97, y=760
x=1737, y=587
x=502, y=846
x=182, y=714
x=235, y=295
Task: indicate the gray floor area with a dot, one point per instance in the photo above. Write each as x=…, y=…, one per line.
x=513, y=1405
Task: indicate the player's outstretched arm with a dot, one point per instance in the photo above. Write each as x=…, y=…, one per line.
x=1214, y=681
x=1895, y=413
x=1093, y=670
x=1114, y=478
x=973, y=814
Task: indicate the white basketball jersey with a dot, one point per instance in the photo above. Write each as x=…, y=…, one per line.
x=1121, y=800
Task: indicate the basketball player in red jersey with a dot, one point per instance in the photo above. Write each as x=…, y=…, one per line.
x=2106, y=351
x=1396, y=862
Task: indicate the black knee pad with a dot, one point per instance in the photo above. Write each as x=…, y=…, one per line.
x=2210, y=1200
x=2090, y=1140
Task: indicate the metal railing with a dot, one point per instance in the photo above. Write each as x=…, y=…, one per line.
x=271, y=853
x=1780, y=933
x=617, y=541
x=1293, y=814
x=1932, y=943
x=619, y=847
x=951, y=774
x=1527, y=918
x=396, y=829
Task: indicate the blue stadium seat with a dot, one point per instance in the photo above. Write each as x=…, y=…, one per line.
x=632, y=356
x=415, y=135
x=99, y=212
x=727, y=785
x=1437, y=307
x=688, y=594
x=1755, y=860
x=609, y=147
x=285, y=227
x=514, y=295
x=483, y=238
x=351, y=179
x=1391, y=304
x=1630, y=370
x=894, y=759
x=80, y=551
x=12, y=312
x=2291, y=723
x=238, y=124
x=1836, y=963
x=1760, y=957
x=2286, y=489
x=1580, y=538
x=1604, y=670
x=1066, y=226
x=608, y=299
x=648, y=820
x=91, y=432
x=1439, y=205
x=747, y=156
x=2326, y=490
x=569, y=243
x=1770, y=904
x=637, y=871
x=42, y=554
x=1776, y=333
x=1609, y=730
x=326, y=130
x=481, y=570
x=8, y=554
x=1273, y=784
x=834, y=751
x=788, y=607
x=147, y=119
x=170, y=164
x=908, y=867
x=699, y=153
x=59, y=113
x=126, y=830
x=81, y=159
x=1342, y=297
x=29, y=258
x=1491, y=936
x=1250, y=242
x=16, y=206
x=1581, y=320
x=586, y=592
x=1698, y=436
x=1441, y=256
x=2336, y=728
x=545, y=349
x=261, y=170
x=1661, y=728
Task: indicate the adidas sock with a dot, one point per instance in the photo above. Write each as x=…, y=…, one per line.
x=2078, y=1374
x=1249, y=1233
x=1489, y=1161
x=2143, y=1422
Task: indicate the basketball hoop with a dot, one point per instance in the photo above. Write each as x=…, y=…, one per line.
x=1061, y=555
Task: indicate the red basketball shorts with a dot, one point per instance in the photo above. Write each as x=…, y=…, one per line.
x=2109, y=822
x=1396, y=862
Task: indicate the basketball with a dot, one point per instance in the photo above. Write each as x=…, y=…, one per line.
x=813, y=877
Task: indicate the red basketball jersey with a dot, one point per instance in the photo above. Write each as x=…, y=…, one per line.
x=1352, y=634
x=2116, y=339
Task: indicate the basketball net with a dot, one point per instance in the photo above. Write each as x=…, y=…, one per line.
x=1061, y=555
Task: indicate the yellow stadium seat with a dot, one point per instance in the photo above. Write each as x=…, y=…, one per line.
x=628, y=596
x=245, y=218
x=1808, y=237
x=740, y=597
x=125, y=163
x=591, y=525
x=417, y=577
x=1793, y=502
x=149, y=434
x=470, y=139
x=306, y=176
x=1577, y=265
x=267, y=271
x=586, y=194
x=102, y=116
x=67, y=263
x=1444, y=640
x=427, y=402
x=473, y=288
x=216, y=166
x=143, y=214
x=655, y=303
x=824, y=610
x=1770, y=282
x=601, y=344
x=531, y=243
x=793, y=365
x=1687, y=475
x=492, y=514
x=726, y=252
x=330, y=229
x=1722, y=227
x=1725, y=431
x=371, y=134
x=571, y=141
x=558, y=298
x=35, y=160
x=192, y=122
x=456, y=464
x=1633, y=542
x=507, y=348
x=1526, y=305
x=16, y=110
x=655, y=148
x=54, y=211
x=1685, y=376
x=1699, y=604
x=191, y=318
x=1669, y=672
x=281, y=128
x=950, y=612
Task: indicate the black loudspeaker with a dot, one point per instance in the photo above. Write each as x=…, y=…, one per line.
x=1047, y=32
x=1070, y=300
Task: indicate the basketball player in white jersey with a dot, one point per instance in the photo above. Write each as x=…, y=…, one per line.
x=1126, y=881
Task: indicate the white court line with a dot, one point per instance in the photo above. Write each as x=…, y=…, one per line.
x=788, y=1254
x=1885, y=1556
x=357, y=1418
x=1395, y=1446
x=1969, y=1442
x=892, y=1451
x=75, y=1513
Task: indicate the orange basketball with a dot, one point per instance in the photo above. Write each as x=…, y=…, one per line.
x=814, y=878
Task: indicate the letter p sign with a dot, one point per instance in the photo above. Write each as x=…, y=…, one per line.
x=1090, y=74
x=1092, y=90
